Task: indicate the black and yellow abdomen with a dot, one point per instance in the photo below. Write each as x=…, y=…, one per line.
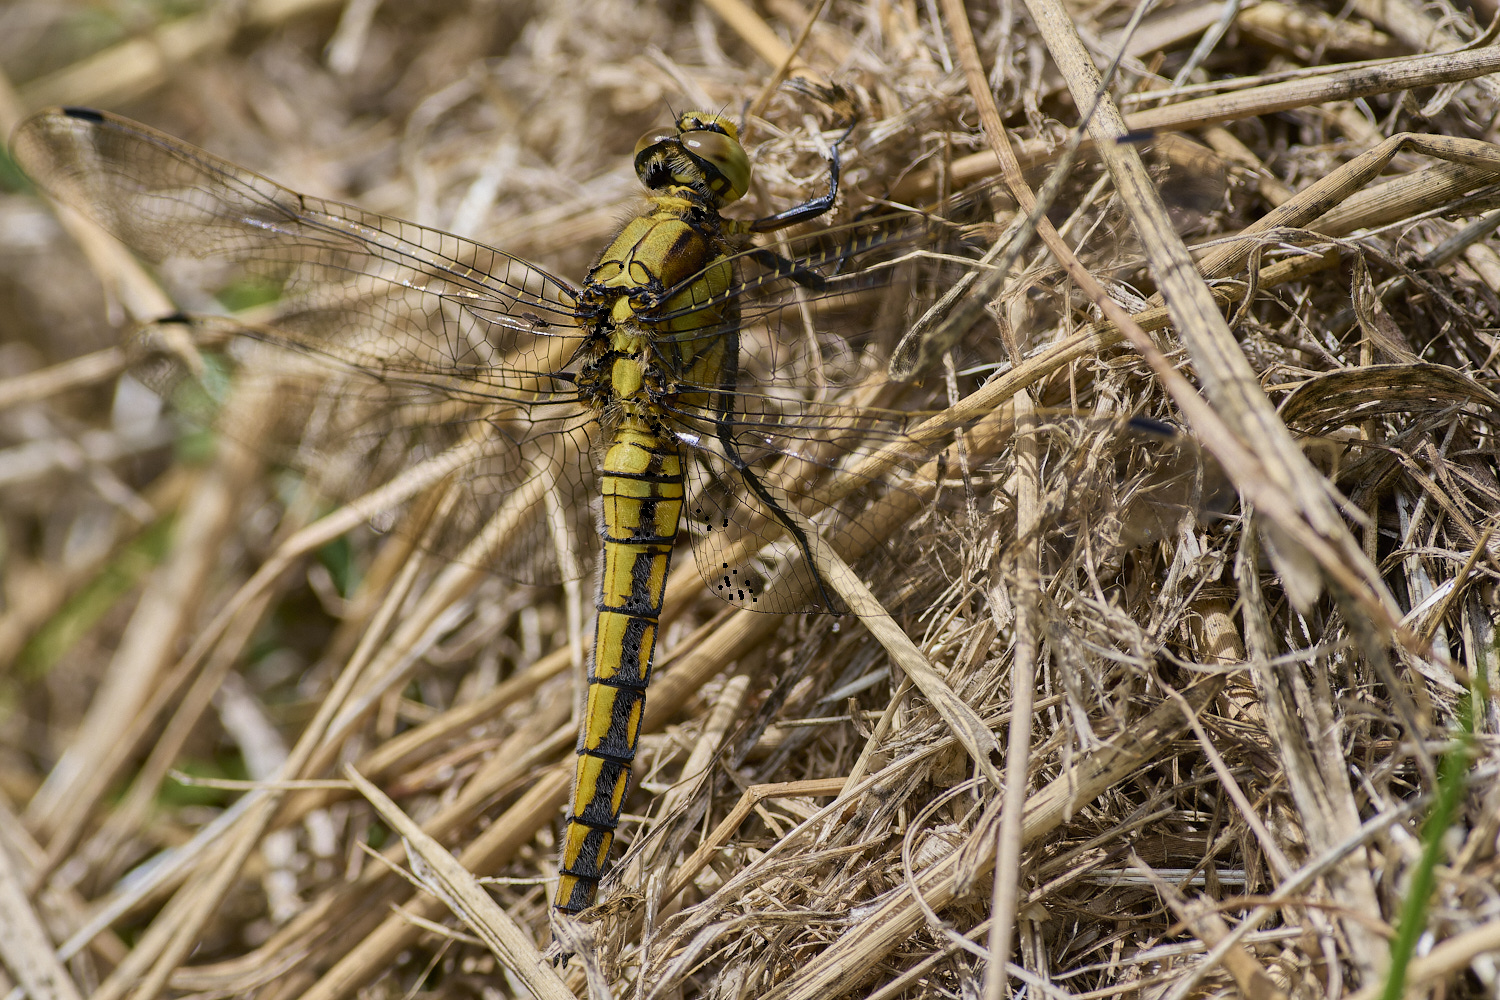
x=643, y=496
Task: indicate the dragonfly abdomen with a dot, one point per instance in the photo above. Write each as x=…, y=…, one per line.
x=643, y=498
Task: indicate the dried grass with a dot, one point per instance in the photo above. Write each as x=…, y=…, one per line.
x=1232, y=736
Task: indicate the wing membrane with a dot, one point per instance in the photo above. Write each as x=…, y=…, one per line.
x=415, y=341
x=388, y=296
x=422, y=342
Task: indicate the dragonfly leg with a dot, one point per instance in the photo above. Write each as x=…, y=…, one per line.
x=778, y=513
x=810, y=209
x=778, y=266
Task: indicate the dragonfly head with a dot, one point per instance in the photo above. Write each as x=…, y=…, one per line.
x=700, y=151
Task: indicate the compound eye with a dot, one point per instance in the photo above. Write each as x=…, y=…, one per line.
x=657, y=135
x=726, y=156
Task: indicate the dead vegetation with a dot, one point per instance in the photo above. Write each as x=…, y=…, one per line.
x=1242, y=664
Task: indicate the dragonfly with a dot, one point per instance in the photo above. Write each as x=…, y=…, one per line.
x=681, y=363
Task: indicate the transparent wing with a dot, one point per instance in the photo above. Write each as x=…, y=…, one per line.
x=895, y=502
x=391, y=298
x=396, y=343
x=424, y=343
x=775, y=453
x=419, y=342
x=786, y=450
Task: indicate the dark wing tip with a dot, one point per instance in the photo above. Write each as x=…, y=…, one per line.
x=1150, y=425
x=87, y=114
